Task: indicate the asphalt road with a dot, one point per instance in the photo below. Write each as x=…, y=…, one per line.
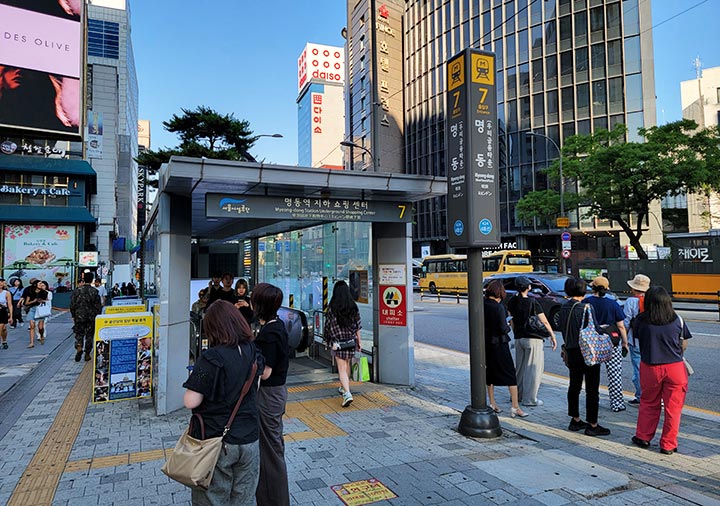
x=703, y=350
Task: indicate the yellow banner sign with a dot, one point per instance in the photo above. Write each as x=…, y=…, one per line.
x=362, y=492
x=137, y=308
x=562, y=222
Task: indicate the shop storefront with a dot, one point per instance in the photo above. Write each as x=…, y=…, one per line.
x=46, y=220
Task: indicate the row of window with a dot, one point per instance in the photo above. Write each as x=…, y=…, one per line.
x=103, y=39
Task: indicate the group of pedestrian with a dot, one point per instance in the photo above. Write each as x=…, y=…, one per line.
x=34, y=301
x=252, y=470
x=648, y=330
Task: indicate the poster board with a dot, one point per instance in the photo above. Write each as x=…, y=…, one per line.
x=135, y=308
x=122, y=358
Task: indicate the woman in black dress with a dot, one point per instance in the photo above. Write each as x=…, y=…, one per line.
x=500, y=369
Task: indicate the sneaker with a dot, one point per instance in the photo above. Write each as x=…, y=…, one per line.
x=640, y=442
x=537, y=402
x=576, y=426
x=634, y=402
x=341, y=390
x=347, y=399
x=618, y=410
x=4, y=346
x=668, y=452
x=596, y=431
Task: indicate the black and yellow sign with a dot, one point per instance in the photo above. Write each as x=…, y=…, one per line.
x=472, y=151
x=362, y=492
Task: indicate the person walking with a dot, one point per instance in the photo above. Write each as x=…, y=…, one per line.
x=16, y=290
x=33, y=296
x=662, y=336
x=529, y=352
x=243, y=300
x=85, y=305
x=41, y=319
x=571, y=321
x=342, y=325
x=608, y=312
x=225, y=292
x=212, y=390
x=499, y=367
x=272, y=340
x=634, y=305
x=6, y=312
x=102, y=291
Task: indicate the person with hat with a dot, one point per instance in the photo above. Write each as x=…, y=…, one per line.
x=529, y=348
x=634, y=305
x=608, y=312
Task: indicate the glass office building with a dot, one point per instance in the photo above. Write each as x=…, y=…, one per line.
x=564, y=67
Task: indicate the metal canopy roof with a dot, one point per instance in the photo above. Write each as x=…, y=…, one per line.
x=197, y=177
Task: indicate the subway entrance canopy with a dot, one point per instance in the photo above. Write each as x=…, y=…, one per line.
x=206, y=201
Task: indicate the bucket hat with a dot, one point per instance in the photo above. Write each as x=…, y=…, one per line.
x=640, y=282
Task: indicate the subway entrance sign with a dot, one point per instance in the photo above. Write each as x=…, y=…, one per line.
x=472, y=151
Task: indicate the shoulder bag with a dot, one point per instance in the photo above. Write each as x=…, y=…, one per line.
x=595, y=346
x=534, y=327
x=688, y=367
x=193, y=461
x=44, y=309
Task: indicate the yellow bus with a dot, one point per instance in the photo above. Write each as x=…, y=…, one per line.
x=448, y=273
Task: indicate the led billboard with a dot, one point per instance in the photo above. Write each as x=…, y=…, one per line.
x=41, y=56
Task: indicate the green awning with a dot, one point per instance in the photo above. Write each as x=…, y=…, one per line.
x=40, y=165
x=45, y=214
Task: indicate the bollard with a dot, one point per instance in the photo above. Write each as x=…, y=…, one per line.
x=421, y=294
x=718, y=294
x=438, y=293
x=324, y=293
x=457, y=294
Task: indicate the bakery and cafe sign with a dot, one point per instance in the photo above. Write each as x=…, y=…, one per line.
x=34, y=191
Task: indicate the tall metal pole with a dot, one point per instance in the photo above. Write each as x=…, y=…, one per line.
x=478, y=420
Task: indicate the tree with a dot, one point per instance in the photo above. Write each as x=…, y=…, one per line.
x=203, y=132
x=618, y=180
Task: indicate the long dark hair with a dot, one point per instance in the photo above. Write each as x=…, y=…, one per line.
x=225, y=326
x=266, y=300
x=343, y=306
x=658, y=306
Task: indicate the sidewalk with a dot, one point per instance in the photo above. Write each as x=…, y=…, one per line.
x=394, y=441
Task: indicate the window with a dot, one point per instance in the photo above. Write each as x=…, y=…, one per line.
x=615, y=92
x=614, y=57
x=583, y=100
x=581, y=64
x=568, y=104
x=103, y=39
x=599, y=98
x=632, y=55
x=597, y=24
x=634, y=92
x=566, y=68
x=552, y=107
x=565, y=33
x=613, y=20
x=581, y=28
x=598, y=60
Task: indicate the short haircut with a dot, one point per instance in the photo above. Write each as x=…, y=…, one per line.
x=495, y=289
x=266, y=300
x=88, y=277
x=224, y=325
x=575, y=287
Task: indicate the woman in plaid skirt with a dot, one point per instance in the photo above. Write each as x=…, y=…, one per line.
x=342, y=329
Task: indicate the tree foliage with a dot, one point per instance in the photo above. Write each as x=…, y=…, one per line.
x=618, y=180
x=203, y=132
x=544, y=205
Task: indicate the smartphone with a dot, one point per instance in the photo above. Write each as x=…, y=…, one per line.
x=624, y=352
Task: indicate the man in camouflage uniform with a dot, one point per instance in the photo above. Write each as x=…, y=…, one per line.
x=85, y=305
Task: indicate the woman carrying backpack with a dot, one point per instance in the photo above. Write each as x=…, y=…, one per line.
x=342, y=334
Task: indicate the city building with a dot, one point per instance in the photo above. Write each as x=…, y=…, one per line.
x=564, y=67
x=700, y=100
x=321, y=106
x=45, y=185
x=112, y=105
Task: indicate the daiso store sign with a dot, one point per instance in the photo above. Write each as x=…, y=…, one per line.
x=320, y=63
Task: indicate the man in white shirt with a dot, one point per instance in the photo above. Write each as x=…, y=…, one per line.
x=102, y=291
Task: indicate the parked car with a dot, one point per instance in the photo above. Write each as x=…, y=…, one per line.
x=547, y=288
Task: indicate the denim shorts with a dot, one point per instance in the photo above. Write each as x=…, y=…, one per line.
x=31, y=315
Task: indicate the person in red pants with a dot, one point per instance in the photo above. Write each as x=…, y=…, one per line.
x=663, y=336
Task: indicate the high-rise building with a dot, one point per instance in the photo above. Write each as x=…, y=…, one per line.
x=564, y=67
x=112, y=98
x=700, y=100
x=321, y=106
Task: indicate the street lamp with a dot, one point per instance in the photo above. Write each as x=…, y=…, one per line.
x=349, y=144
x=562, y=182
x=275, y=136
x=251, y=158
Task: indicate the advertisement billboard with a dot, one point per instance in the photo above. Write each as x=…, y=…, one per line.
x=41, y=55
x=319, y=63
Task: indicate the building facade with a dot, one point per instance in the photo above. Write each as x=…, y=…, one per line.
x=564, y=67
x=112, y=102
x=321, y=106
x=700, y=100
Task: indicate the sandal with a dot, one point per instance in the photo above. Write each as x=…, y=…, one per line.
x=496, y=409
x=517, y=412
x=31, y=345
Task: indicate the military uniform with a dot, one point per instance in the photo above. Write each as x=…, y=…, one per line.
x=85, y=305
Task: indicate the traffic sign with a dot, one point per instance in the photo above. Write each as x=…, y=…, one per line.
x=565, y=236
x=566, y=253
x=567, y=245
x=562, y=222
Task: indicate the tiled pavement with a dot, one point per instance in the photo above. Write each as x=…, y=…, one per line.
x=404, y=437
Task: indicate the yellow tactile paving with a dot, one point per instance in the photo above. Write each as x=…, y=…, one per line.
x=111, y=461
x=319, y=386
x=38, y=483
x=146, y=456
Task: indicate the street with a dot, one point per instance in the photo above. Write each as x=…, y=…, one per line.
x=702, y=350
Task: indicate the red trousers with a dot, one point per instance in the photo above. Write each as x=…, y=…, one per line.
x=667, y=383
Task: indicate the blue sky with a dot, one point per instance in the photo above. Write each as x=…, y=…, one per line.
x=241, y=57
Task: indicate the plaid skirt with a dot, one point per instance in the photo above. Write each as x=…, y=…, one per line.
x=343, y=354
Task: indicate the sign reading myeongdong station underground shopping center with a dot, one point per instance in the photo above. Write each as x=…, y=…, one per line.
x=472, y=150
x=219, y=205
